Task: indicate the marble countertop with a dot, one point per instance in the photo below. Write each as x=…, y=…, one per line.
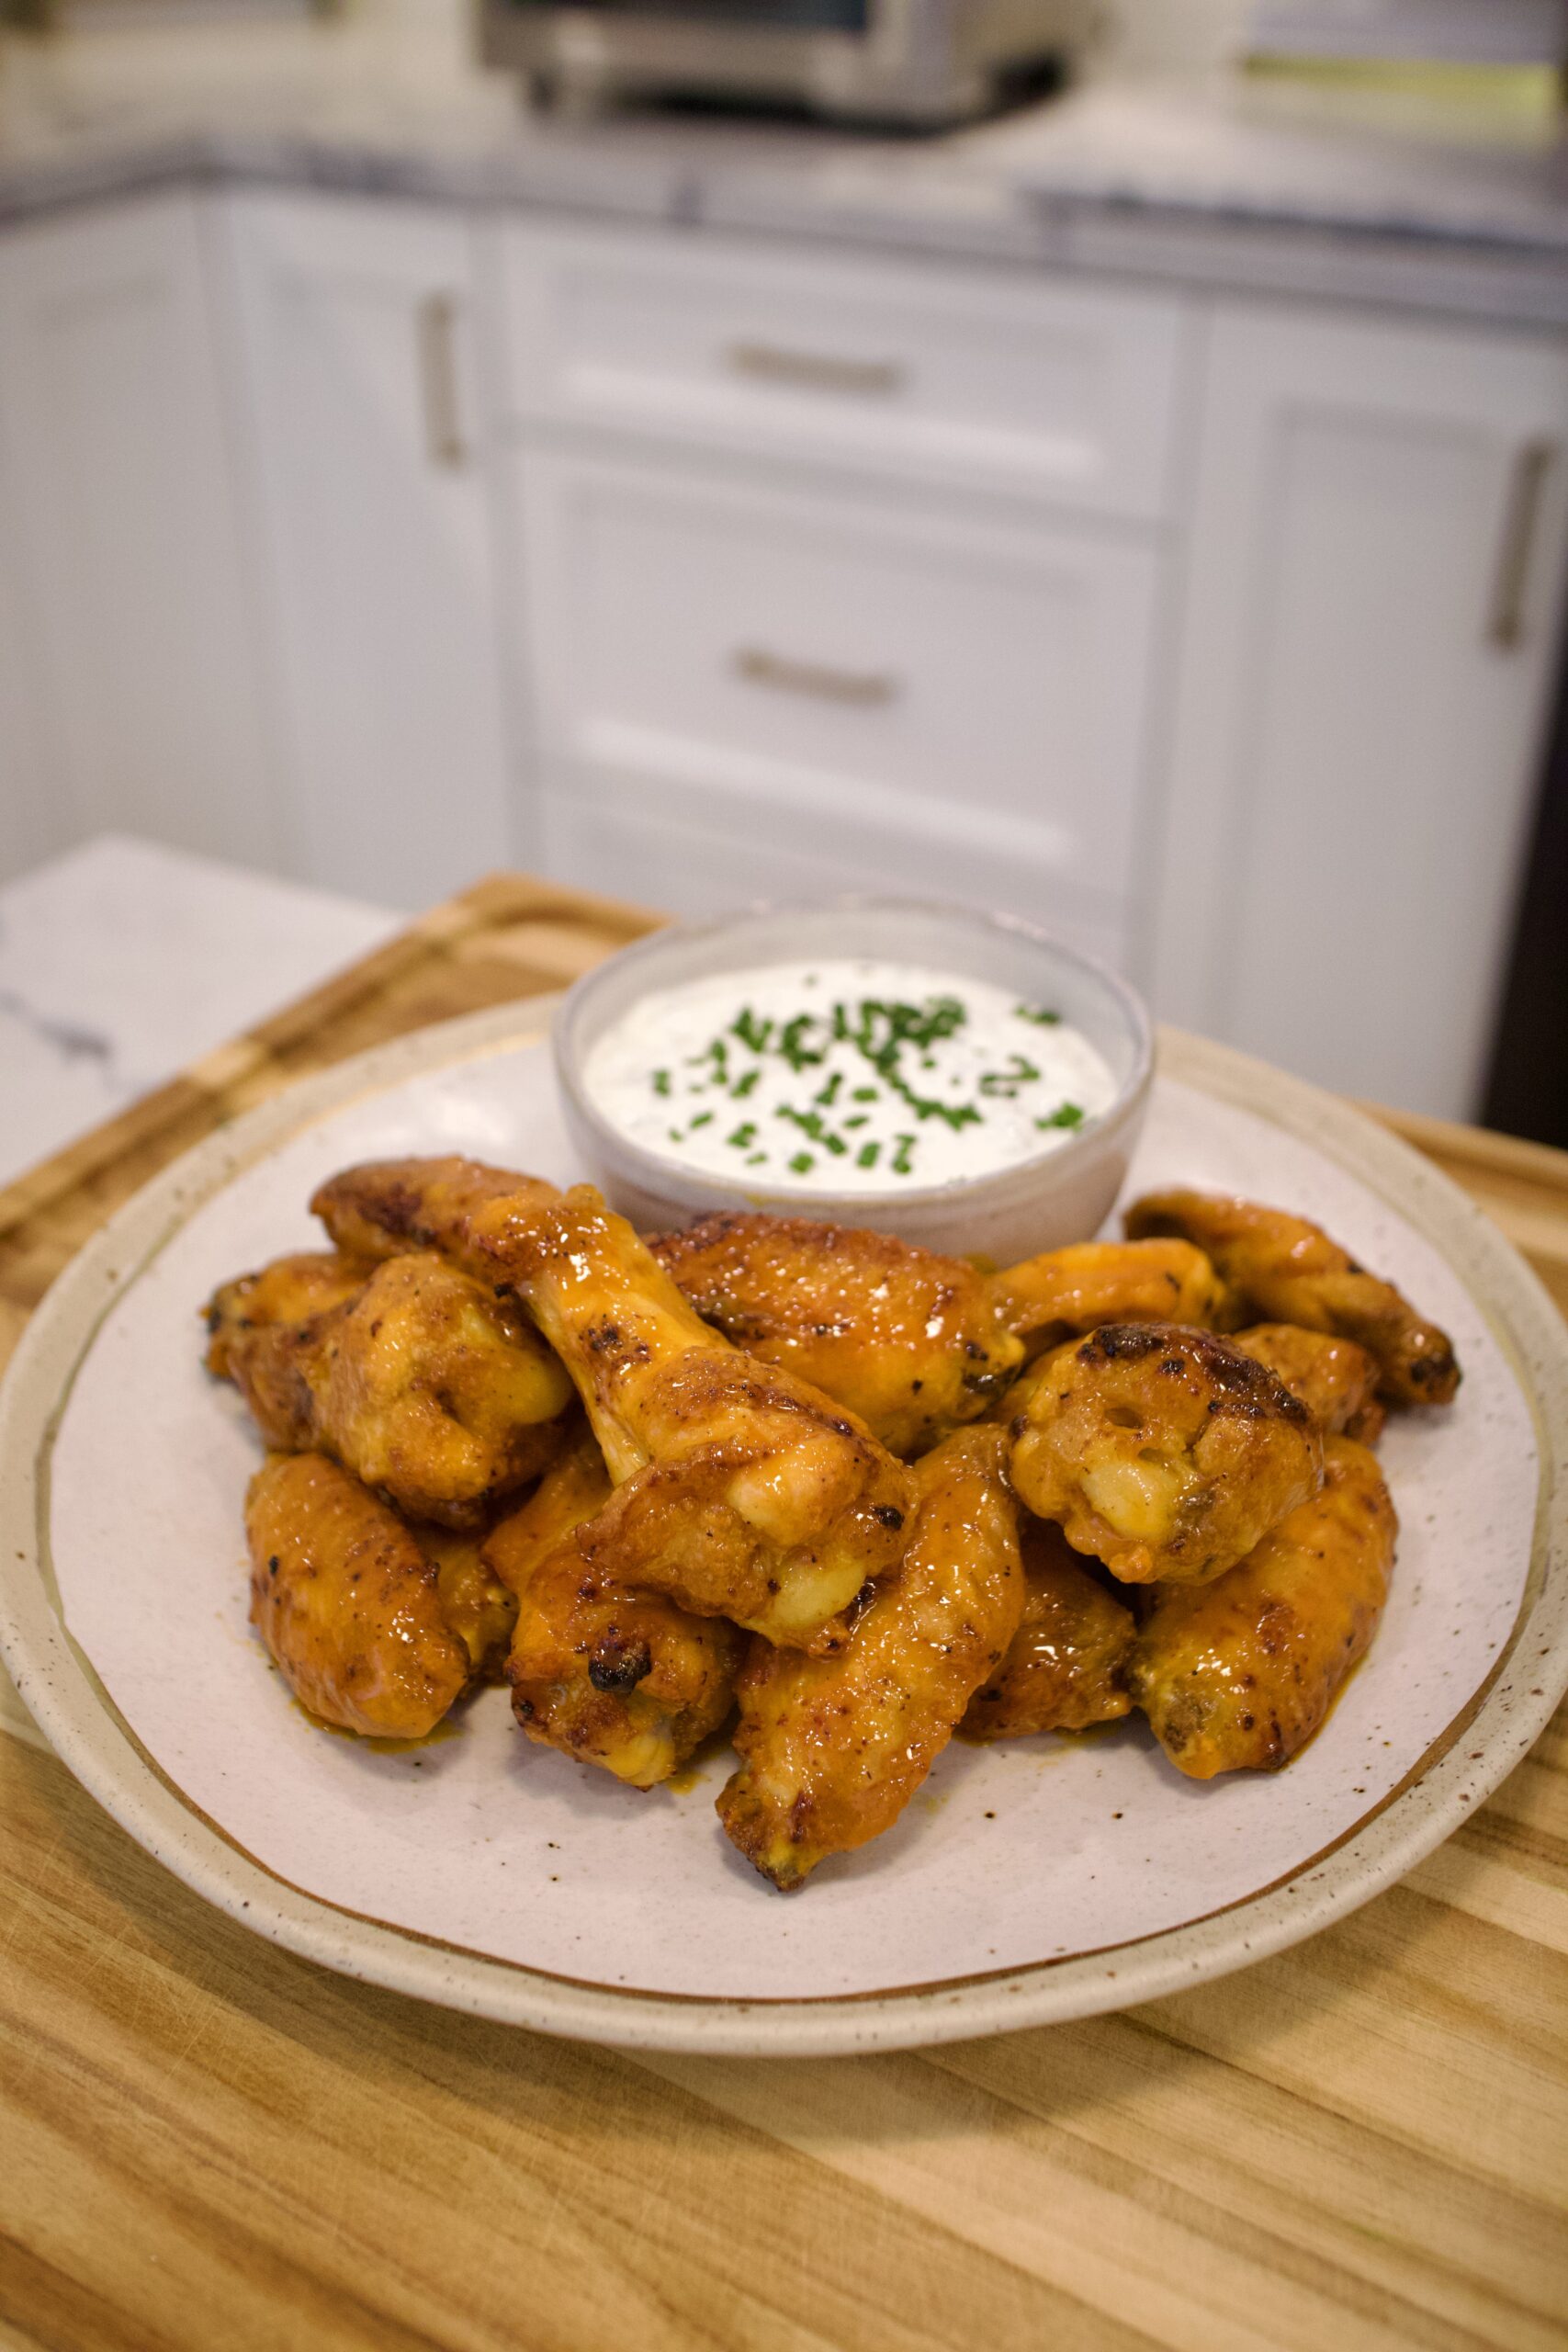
x=1219, y=181
x=122, y=961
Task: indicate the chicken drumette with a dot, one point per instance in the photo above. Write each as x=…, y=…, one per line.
x=739, y=1489
x=431, y=1390
x=1161, y=1450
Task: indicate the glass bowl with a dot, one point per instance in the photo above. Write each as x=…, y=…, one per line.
x=1063, y=1193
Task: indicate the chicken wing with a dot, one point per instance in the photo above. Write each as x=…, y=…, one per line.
x=1067, y=1665
x=1336, y=1380
x=1108, y=1281
x=290, y=1290
x=480, y=1609
x=1284, y=1269
x=833, y=1748
x=906, y=1339
x=347, y=1603
x=739, y=1489
x=1162, y=1451
x=628, y=1680
x=1239, y=1674
x=431, y=1390
x=471, y=1211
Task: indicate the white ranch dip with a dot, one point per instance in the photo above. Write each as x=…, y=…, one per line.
x=839, y=1076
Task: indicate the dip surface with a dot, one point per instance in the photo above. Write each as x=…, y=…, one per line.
x=844, y=1076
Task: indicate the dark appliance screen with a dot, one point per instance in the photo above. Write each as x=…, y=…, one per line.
x=831, y=15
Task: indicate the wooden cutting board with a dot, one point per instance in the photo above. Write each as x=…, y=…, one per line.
x=205, y=2142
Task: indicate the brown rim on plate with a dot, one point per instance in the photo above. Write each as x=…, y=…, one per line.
x=1504, y=1715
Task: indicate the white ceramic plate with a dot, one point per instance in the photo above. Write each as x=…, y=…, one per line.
x=1037, y=1881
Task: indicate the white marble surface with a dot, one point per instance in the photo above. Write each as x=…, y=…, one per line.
x=123, y=961
x=1216, y=179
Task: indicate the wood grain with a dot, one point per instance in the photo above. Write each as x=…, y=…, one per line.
x=206, y=2143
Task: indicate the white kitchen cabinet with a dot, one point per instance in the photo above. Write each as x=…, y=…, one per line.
x=126, y=596
x=1377, y=553
x=955, y=377
x=863, y=692
x=359, y=407
x=35, y=819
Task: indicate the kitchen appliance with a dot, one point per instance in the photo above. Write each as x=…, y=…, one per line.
x=912, y=61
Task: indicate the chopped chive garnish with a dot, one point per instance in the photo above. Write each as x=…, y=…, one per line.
x=742, y=1086
x=859, y=1120
x=829, y=1093
x=757, y=1159
x=1006, y=1082
x=1065, y=1115
x=869, y=1095
x=750, y=1031
x=744, y=1137
x=868, y=1155
x=661, y=1081
x=901, y=1156
x=1037, y=1012
x=801, y=1164
x=703, y=1119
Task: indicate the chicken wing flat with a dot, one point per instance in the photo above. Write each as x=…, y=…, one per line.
x=1067, y=1665
x=1239, y=1674
x=740, y=1489
x=347, y=1603
x=1162, y=1451
x=431, y=1390
x=290, y=1290
x=627, y=1680
x=833, y=1749
x=1336, y=1380
x=907, y=1340
x=1108, y=1281
x=1284, y=1269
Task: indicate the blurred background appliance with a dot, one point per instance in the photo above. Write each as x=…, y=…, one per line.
x=918, y=62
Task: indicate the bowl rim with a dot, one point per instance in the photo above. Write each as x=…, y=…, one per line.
x=1056, y=1162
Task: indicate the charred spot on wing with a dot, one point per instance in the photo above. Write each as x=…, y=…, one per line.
x=888, y=1515
x=618, y=1664
x=398, y=1210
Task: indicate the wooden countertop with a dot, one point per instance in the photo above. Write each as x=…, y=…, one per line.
x=206, y=2143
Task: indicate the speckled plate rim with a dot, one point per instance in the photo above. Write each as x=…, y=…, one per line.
x=78, y=1719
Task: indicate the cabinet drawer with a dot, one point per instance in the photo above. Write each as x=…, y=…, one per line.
x=963, y=378
x=844, y=662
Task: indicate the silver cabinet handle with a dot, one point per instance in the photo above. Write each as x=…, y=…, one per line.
x=435, y=325
x=1527, y=481
x=863, y=687
x=819, y=371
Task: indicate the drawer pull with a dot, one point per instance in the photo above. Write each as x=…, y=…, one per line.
x=864, y=688
x=818, y=370
x=436, y=326
x=1505, y=621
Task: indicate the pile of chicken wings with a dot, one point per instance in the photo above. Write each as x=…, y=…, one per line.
x=850, y=1494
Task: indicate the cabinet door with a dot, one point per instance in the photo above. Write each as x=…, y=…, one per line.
x=1372, y=631
x=143, y=697
x=851, y=690
x=355, y=336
